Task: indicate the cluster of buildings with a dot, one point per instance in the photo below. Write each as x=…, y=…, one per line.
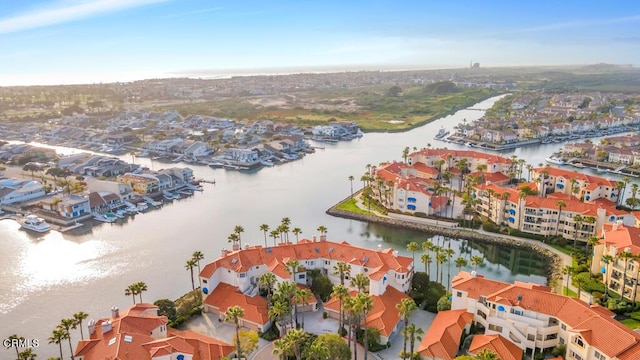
x=618, y=150
x=555, y=202
x=232, y=279
x=140, y=333
x=525, y=318
x=545, y=118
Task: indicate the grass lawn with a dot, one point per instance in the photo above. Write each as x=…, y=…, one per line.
x=631, y=323
x=350, y=205
x=571, y=292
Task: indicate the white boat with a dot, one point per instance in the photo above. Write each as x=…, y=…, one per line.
x=34, y=223
x=469, y=144
x=142, y=206
x=104, y=218
x=441, y=134
x=554, y=160
x=267, y=163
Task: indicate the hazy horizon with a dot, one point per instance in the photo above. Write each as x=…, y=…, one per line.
x=48, y=42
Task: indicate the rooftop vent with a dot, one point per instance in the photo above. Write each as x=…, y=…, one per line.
x=519, y=297
x=317, y=250
x=234, y=261
x=365, y=259
x=128, y=338
x=269, y=250
x=112, y=341
x=330, y=250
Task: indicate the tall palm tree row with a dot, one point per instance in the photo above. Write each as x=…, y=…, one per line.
x=343, y=270
x=405, y=308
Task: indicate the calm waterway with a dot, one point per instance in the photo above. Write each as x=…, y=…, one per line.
x=44, y=279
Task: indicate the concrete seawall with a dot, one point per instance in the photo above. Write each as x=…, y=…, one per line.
x=554, y=259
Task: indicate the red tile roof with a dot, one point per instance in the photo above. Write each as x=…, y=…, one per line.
x=622, y=237
x=568, y=174
x=129, y=338
x=243, y=260
x=505, y=349
x=442, y=340
x=470, y=154
x=476, y=286
x=224, y=296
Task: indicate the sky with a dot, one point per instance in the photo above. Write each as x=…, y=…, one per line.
x=88, y=41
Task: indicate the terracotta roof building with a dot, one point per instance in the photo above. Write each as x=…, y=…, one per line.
x=533, y=318
x=139, y=333
x=232, y=278
x=442, y=340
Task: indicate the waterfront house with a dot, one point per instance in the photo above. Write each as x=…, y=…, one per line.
x=73, y=206
x=621, y=156
x=179, y=176
x=140, y=333
x=140, y=183
x=162, y=146
x=232, y=278
x=442, y=339
x=122, y=190
x=103, y=201
x=197, y=148
x=242, y=157
x=17, y=191
x=534, y=319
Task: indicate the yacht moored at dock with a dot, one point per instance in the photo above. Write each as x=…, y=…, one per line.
x=34, y=223
x=554, y=160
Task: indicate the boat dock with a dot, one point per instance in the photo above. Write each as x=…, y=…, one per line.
x=69, y=228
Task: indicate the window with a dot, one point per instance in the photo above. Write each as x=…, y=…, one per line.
x=516, y=311
x=311, y=263
x=578, y=341
x=458, y=294
x=301, y=276
x=495, y=328
x=327, y=262
x=561, y=341
x=563, y=327
x=530, y=337
x=243, y=275
x=575, y=356
x=204, y=281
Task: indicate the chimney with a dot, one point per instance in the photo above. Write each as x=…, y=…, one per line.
x=323, y=237
x=106, y=327
x=224, y=252
x=614, y=227
x=314, y=238
x=379, y=247
x=246, y=246
x=474, y=274
x=395, y=253
x=115, y=312
x=92, y=326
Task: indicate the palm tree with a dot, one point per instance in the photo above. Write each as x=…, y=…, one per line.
x=569, y=271
x=437, y=250
x=626, y=256
x=427, y=246
x=476, y=261
x=413, y=247
x=197, y=256
x=296, y=231
x=348, y=305
x=142, y=287
x=351, y=178
x=282, y=348
x=364, y=304
x=340, y=292
x=239, y=230
x=189, y=266
x=322, y=229
x=578, y=220
x=460, y=263
x=285, y=291
x=67, y=325
x=285, y=222
x=234, y=238
x=405, y=308
x=413, y=333
x=360, y=282
x=278, y=310
x=274, y=234
x=441, y=258
x=296, y=338
x=233, y=315
x=27, y=354
x=560, y=204
x=405, y=153
x=266, y=281
x=14, y=340
x=449, y=253
x=606, y=259
x=342, y=269
x=264, y=228
x=426, y=260
x=292, y=268
x=591, y=242
x=78, y=317
x=634, y=192
x=131, y=290
x=57, y=336
x=301, y=296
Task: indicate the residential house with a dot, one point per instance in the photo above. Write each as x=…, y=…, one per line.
x=140, y=183
x=141, y=334
x=73, y=206
x=17, y=191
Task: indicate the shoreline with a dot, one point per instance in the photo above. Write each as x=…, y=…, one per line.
x=553, y=258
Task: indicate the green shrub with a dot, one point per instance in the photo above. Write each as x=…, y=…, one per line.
x=420, y=214
x=325, y=315
x=271, y=333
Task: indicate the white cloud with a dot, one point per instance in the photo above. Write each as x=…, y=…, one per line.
x=200, y=11
x=63, y=12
